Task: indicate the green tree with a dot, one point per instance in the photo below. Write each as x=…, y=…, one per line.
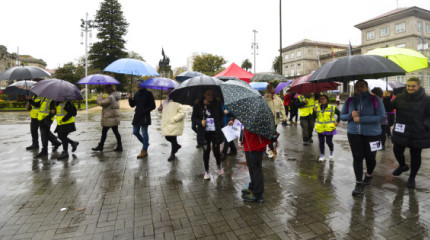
x=70, y=72
x=246, y=64
x=208, y=64
x=276, y=65
x=111, y=26
x=135, y=55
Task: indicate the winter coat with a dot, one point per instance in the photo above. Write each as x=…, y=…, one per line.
x=110, y=110
x=277, y=106
x=144, y=102
x=370, y=118
x=412, y=110
x=217, y=113
x=253, y=142
x=172, y=119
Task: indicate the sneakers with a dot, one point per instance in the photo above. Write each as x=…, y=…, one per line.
x=220, y=171
x=410, y=183
x=63, y=155
x=331, y=156
x=400, y=170
x=142, y=154
x=358, y=190
x=74, y=146
x=55, y=147
x=270, y=153
x=246, y=191
x=367, y=180
x=31, y=147
x=43, y=153
x=207, y=176
x=252, y=198
x=305, y=143
x=322, y=157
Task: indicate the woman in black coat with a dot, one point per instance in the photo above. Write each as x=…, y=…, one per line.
x=65, y=113
x=412, y=127
x=209, y=117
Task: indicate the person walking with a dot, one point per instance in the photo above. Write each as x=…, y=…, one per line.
x=210, y=116
x=65, y=113
x=325, y=124
x=364, y=114
x=228, y=117
x=33, y=105
x=277, y=107
x=254, y=146
x=144, y=102
x=294, y=110
x=377, y=91
x=412, y=132
x=172, y=123
x=307, y=103
x=111, y=117
x=46, y=116
x=391, y=115
x=287, y=102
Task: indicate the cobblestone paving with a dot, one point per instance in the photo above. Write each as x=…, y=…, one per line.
x=112, y=195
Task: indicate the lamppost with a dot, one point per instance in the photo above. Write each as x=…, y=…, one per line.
x=280, y=37
x=254, y=46
x=86, y=26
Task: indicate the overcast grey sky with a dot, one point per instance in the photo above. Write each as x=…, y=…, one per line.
x=50, y=29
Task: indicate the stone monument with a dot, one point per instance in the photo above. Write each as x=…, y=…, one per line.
x=164, y=69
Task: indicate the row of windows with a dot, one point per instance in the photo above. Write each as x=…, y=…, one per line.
x=401, y=27
x=292, y=55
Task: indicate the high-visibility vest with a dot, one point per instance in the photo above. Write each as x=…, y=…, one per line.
x=308, y=109
x=35, y=110
x=44, y=109
x=61, y=112
x=325, y=119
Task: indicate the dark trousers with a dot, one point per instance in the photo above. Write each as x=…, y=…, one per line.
x=34, y=129
x=415, y=158
x=173, y=140
x=254, y=160
x=200, y=138
x=65, y=140
x=307, y=124
x=210, y=138
x=229, y=144
x=286, y=110
x=46, y=135
x=360, y=148
x=271, y=147
x=293, y=113
x=384, y=134
x=104, y=135
x=325, y=138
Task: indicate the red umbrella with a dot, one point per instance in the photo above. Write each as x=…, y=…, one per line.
x=301, y=86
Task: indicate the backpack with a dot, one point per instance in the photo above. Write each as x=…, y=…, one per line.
x=372, y=98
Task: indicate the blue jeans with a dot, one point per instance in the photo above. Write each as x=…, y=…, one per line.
x=143, y=138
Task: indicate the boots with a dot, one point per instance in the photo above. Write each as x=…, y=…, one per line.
x=142, y=154
x=98, y=148
x=74, y=146
x=63, y=155
x=118, y=148
x=43, y=153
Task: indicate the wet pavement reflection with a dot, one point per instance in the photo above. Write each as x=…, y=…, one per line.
x=114, y=195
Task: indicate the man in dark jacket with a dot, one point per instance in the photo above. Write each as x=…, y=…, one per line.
x=144, y=102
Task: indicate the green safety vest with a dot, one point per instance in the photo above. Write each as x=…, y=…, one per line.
x=35, y=110
x=44, y=109
x=61, y=112
x=325, y=120
x=308, y=109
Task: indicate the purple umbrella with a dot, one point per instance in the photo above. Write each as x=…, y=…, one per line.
x=98, y=79
x=57, y=90
x=159, y=83
x=282, y=85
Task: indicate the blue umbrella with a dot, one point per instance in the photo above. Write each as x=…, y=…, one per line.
x=282, y=85
x=159, y=83
x=258, y=85
x=188, y=74
x=132, y=67
x=98, y=79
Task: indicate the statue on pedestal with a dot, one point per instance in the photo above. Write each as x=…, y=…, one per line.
x=164, y=63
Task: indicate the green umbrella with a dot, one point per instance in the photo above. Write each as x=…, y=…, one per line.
x=268, y=77
x=249, y=107
x=407, y=59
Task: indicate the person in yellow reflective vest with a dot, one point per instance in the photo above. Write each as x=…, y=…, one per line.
x=45, y=116
x=33, y=105
x=65, y=115
x=307, y=103
x=325, y=124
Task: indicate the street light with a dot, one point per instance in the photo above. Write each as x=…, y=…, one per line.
x=254, y=46
x=86, y=26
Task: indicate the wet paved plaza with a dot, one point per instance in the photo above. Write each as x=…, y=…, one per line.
x=113, y=195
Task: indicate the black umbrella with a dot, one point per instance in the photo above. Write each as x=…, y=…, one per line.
x=57, y=90
x=191, y=90
x=356, y=67
x=187, y=75
x=23, y=72
x=14, y=92
x=226, y=78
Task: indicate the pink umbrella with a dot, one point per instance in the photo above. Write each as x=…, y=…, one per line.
x=301, y=86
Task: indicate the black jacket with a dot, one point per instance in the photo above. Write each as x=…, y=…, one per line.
x=412, y=110
x=199, y=114
x=144, y=102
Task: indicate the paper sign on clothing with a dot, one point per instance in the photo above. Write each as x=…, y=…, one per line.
x=399, y=128
x=210, y=124
x=232, y=132
x=375, y=146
